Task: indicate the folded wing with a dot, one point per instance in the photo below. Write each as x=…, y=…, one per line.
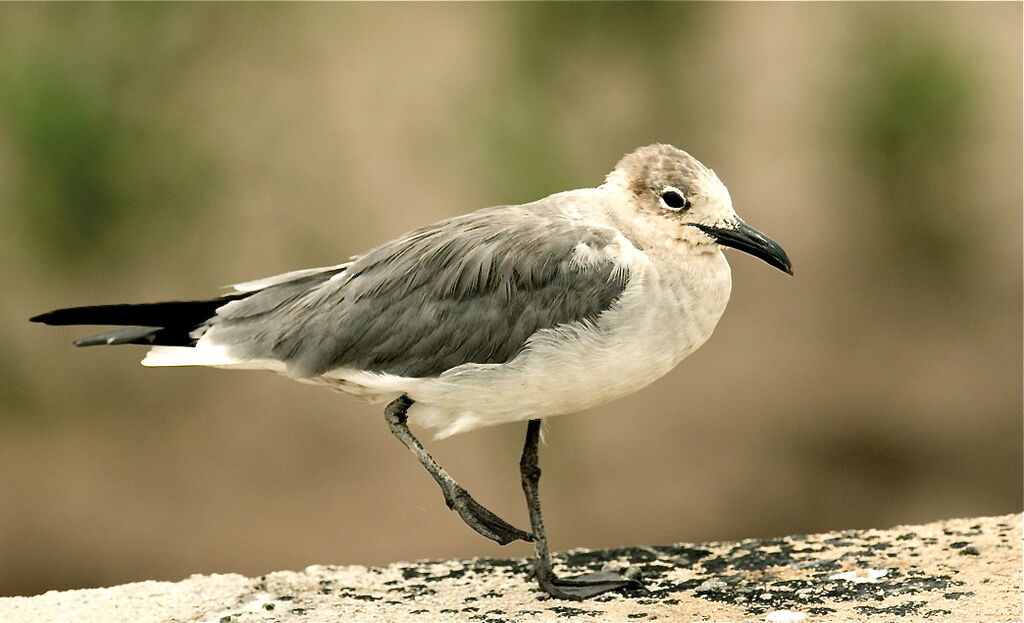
x=471, y=289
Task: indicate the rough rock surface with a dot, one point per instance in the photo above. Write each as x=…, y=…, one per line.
x=958, y=570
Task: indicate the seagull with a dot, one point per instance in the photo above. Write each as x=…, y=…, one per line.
x=506, y=314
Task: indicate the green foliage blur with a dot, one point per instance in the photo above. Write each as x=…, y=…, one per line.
x=519, y=108
x=913, y=112
x=99, y=154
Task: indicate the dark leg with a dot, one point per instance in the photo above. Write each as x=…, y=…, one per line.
x=458, y=499
x=575, y=588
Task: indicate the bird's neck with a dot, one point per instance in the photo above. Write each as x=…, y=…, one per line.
x=696, y=278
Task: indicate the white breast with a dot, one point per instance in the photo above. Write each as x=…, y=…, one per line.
x=668, y=309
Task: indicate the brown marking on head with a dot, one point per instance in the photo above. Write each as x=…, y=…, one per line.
x=653, y=167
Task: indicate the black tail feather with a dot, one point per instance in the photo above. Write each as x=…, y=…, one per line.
x=148, y=314
x=166, y=324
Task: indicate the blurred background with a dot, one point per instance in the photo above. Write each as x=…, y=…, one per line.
x=153, y=152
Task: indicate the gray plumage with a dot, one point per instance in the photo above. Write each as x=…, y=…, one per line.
x=470, y=289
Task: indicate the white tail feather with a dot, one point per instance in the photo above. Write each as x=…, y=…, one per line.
x=212, y=356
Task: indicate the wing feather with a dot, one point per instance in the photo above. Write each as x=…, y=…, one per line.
x=471, y=289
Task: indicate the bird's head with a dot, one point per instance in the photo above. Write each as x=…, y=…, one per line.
x=672, y=191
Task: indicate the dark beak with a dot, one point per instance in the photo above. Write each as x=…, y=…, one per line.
x=739, y=235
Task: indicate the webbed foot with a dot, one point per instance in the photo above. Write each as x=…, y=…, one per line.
x=585, y=586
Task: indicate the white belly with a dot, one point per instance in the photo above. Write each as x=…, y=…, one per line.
x=659, y=320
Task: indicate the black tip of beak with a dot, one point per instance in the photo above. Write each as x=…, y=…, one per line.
x=745, y=238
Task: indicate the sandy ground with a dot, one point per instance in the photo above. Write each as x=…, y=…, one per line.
x=957, y=570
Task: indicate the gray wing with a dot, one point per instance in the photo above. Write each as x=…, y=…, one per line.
x=471, y=289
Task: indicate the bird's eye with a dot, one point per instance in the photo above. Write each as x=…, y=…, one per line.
x=673, y=199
